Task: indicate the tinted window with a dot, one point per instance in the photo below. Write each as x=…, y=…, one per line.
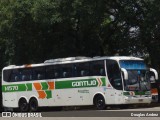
x=97, y=68
x=7, y=75
x=50, y=72
x=26, y=74
x=81, y=69
x=16, y=75
x=57, y=71
x=94, y=68
x=114, y=74
x=38, y=73
x=66, y=71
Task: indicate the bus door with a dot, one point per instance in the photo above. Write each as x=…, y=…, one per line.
x=115, y=80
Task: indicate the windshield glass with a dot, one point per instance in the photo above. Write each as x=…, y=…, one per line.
x=138, y=75
x=137, y=80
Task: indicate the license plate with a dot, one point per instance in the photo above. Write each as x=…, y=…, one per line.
x=140, y=100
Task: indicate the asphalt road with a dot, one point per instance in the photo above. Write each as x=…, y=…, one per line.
x=113, y=113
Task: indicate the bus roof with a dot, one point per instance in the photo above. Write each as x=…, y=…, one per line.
x=73, y=60
x=125, y=58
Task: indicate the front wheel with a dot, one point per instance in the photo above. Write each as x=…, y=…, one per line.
x=99, y=102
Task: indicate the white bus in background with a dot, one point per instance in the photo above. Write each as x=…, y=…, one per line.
x=77, y=81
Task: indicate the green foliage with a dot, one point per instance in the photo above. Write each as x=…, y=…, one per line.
x=36, y=30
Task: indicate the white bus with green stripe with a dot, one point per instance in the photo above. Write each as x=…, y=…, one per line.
x=77, y=81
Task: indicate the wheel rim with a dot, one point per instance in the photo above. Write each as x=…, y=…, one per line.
x=100, y=103
x=33, y=105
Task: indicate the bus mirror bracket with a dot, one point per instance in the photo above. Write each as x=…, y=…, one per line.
x=155, y=73
x=125, y=73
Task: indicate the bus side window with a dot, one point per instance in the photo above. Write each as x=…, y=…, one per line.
x=56, y=74
x=97, y=68
x=67, y=70
x=83, y=73
x=24, y=78
x=38, y=73
x=65, y=74
x=15, y=75
x=39, y=77
x=102, y=72
x=57, y=71
x=16, y=79
x=26, y=74
x=82, y=69
x=7, y=75
x=50, y=72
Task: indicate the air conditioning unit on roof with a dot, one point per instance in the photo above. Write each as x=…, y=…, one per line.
x=66, y=59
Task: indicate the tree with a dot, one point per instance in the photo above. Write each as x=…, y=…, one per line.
x=33, y=31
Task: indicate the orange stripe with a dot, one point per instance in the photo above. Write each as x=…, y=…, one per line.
x=37, y=86
x=41, y=94
x=51, y=85
x=154, y=90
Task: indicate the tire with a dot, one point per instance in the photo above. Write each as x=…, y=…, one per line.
x=99, y=102
x=33, y=105
x=58, y=108
x=23, y=105
x=124, y=106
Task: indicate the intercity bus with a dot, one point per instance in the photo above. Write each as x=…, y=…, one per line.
x=77, y=81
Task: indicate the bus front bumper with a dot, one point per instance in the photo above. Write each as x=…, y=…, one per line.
x=137, y=99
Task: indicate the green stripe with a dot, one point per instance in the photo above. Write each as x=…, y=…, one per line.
x=58, y=85
x=17, y=87
x=44, y=85
x=29, y=86
x=103, y=81
x=49, y=94
x=78, y=83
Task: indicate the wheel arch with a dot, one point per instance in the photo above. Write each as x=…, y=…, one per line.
x=33, y=97
x=98, y=94
x=23, y=97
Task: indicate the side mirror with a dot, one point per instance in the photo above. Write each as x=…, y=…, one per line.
x=155, y=74
x=125, y=73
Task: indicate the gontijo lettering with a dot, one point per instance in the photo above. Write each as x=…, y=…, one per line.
x=84, y=83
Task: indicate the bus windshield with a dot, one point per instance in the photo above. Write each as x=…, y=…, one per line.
x=137, y=80
x=138, y=76
x=133, y=64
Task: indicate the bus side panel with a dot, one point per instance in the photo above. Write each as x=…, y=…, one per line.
x=72, y=97
x=10, y=99
x=68, y=97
